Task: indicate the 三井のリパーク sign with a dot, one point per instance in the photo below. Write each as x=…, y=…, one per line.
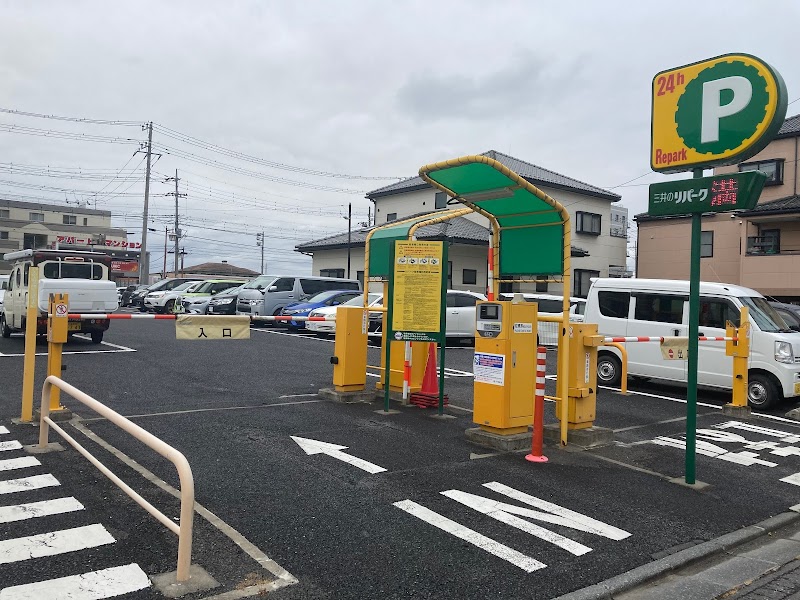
x=734, y=191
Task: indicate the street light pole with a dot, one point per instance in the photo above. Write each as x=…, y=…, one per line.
x=144, y=267
x=349, y=230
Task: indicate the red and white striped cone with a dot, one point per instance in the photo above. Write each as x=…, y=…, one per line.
x=537, y=438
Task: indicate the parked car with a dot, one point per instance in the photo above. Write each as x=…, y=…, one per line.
x=197, y=300
x=789, y=312
x=268, y=295
x=303, y=308
x=660, y=307
x=224, y=303
x=163, y=301
x=550, y=304
x=125, y=298
x=137, y=297
x=324, y=328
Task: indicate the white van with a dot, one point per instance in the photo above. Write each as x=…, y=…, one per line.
x=660, y=307
x=269, y=294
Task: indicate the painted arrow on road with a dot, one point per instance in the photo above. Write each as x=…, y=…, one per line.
x=334, y=450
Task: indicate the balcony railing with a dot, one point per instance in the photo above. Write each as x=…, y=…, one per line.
x=760, y=245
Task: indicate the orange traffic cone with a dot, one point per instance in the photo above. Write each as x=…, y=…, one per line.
x=428, y=396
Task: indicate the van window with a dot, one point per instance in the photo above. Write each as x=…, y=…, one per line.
x=63, y=270
x=716, y=313
x=659, y=307
x=27, y=268
x=259, y=282
x=284, y=284
x=19, y=277
x=315, y=286
x=580, y=308
x=549, y=305
x=764, y=315
x=614, y=304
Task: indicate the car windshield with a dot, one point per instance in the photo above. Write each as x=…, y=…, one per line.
x=184, y=286
x=231, y=291
x=359, y=300
x=206, y=286
x=261, y=282
x=765, y=317
x=320, y=297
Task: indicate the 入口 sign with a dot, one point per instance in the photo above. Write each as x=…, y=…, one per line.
x=714, y=112
x=734, y=191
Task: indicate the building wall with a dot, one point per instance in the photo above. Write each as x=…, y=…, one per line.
x=785, y=148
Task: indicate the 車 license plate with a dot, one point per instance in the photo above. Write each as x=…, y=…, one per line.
x=76, y=326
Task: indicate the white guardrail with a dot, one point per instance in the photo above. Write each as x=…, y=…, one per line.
x=184, y=529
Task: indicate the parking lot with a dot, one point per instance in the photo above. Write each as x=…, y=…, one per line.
x=433, y=516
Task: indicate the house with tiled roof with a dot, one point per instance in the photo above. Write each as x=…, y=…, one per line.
x=758, y=248
x=599, y=230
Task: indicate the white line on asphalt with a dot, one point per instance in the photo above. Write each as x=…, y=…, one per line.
x=10, y=445
x=19, y=463
x=793, y=479
x=335, y=451
x=298, y=396
x=74, y=353
x=3, y=429
x=95, y=585
x=202, y=410
x=31, y=510
x=122, y=348
x=24, y=484
x=284, y=577
x=55, y=542
x=516, y=558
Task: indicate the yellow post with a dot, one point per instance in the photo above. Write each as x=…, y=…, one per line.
x=57, y=326
x=350, y=350
x=29, y=368
x=740, y=351
x=580, y=409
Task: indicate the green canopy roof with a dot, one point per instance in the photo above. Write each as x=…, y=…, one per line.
x=530, y=225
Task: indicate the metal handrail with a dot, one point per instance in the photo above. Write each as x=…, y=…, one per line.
x=184, y=530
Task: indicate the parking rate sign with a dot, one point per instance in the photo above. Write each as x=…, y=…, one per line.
x=715, y=112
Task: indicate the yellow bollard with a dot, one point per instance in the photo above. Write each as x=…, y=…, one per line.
x=740, y=351
x=29, y=367
x=57, y=327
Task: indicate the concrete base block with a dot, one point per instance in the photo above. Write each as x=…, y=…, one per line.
x=387, y=412
x=591, y=437
x=503, y=443
x=347, y=397
x=444, y=417
x=51, y=447
x=19, y=421
x=56, y=416
x=793, y=414
x=697, y=485
x=738, y=412
x=199, y=581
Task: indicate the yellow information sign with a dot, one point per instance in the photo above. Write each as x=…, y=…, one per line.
x=208, y=327
x=714, y=112
x=417, y=287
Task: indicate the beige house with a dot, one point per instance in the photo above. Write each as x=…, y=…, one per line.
x=599, y=231
x=759, y=248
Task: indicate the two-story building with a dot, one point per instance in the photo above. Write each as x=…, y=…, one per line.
x=599, y=231
x=759, y=248
x=34, y=225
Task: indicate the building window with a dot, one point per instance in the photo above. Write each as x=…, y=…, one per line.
x=541, y=283
x=391, y=217
x=85, y=221
x=70, y=220
x=441, y=200
x=36, y=217
x=4, y=213
x=588, y=223
x=332, y=273
x=33, y=241
x=583, y=279
x=3, y=235
x=469, y=277
x=449, y=274
x=706, y=244
x=360, y=277
x=772, y=168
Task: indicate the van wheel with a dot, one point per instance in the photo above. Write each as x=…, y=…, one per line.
x=609, y=370
x=97, y=337
x=5, y=330
x=761, y=391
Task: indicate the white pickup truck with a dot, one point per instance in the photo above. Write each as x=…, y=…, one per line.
x=81, y=275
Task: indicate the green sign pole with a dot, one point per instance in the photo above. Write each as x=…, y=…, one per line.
x=694, y=326
x=442, y=328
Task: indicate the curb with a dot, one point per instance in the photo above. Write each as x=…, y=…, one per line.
x=605, y=590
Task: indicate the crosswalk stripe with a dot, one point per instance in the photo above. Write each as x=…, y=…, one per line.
x=3, y=429
x=24, y=484
x=19, y=463
x=94, y=585
x=55, y=542
x=10, y=445
x=31, y=510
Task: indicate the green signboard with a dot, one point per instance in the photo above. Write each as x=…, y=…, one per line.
x=735, y=191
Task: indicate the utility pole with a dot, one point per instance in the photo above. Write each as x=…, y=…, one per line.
x=164, y=271
x=369, y=216
x=349, y=229
x=260, y=242
x=177, y=195
x=144, y=267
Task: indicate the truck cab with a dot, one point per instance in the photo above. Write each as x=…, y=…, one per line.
x=81, y=275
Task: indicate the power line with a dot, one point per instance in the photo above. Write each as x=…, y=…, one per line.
x=72, y=119
x=66, y=135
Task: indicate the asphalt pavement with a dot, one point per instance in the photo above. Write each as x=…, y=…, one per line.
x=392, y=506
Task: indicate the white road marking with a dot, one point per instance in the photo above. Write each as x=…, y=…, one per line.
x=11, y=486
x=516, y=558
x=298, y=396
x=19, y=463
x=55, y=542
x=95, y=585
x=3, y=429
x=109, y=344
x=32, y=510
x=10, y=445
x=335, y=451
x=793, y=479
x=202, y=410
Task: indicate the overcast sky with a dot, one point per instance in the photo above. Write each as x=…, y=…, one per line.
x=371, y=89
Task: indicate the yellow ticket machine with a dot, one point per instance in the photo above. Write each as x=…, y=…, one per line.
x=505, y=366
